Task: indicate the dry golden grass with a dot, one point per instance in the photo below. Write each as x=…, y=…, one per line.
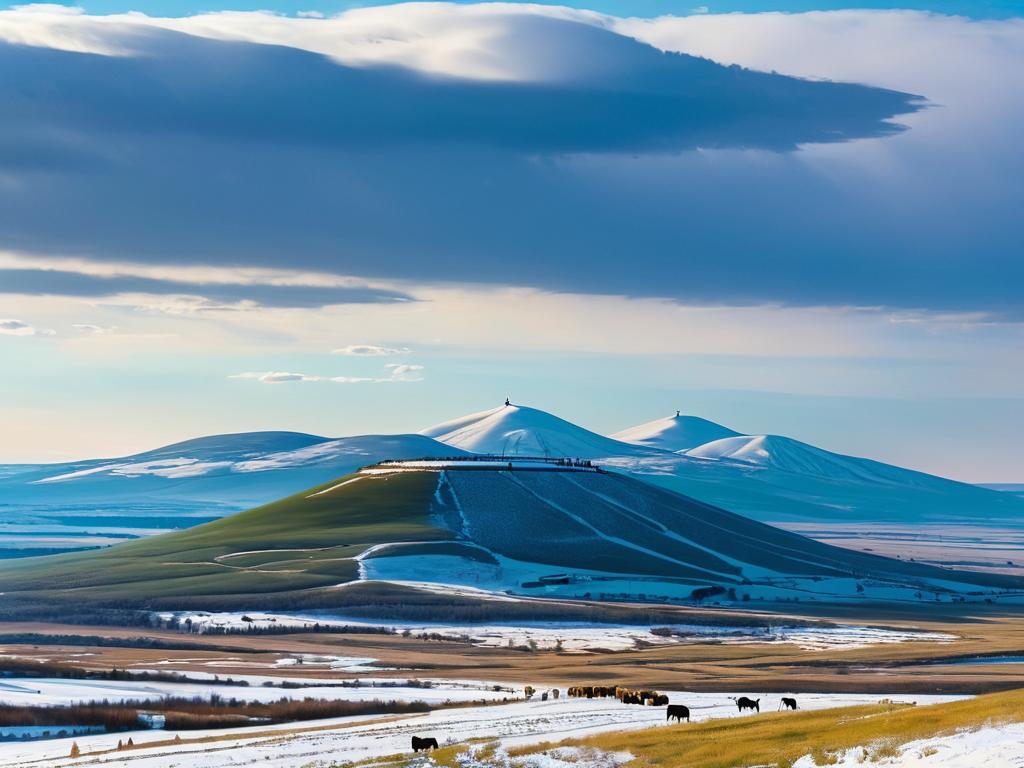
x=779, y=739
x=882, y=669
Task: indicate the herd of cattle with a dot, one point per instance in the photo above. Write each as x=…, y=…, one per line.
x=627, y=696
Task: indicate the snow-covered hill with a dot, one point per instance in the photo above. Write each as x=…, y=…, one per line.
x=675, y=433
x=767, y=477
x=515, y=430
x=789, y=455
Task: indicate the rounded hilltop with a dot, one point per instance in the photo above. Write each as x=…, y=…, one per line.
x=520, y=431
x=675, y=433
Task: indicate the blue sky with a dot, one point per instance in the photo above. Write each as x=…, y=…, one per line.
x=804, y=224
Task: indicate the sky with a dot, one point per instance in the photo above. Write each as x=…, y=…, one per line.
x=792, y=218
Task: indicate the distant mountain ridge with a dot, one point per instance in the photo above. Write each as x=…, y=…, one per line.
x=766, y=477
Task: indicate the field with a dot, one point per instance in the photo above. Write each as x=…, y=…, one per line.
x=876, y=731
x=706, y=663
x=703, y=672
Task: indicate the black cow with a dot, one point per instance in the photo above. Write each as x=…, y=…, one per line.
x=424, y=744
x=678, y=711
x=744, y=703
x=787, y=703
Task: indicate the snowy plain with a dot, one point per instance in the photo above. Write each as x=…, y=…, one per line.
x=351, y=739
x=586, y=637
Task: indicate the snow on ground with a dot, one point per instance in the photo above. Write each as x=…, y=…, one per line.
x=40, y=691
x=582, y=637
x=999, y=746
x=518, y=723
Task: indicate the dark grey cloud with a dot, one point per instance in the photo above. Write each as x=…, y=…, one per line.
x=63, y=283
x=239, y=92
x=224, y=153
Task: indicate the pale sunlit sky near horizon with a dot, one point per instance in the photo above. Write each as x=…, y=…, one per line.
x=347, y=218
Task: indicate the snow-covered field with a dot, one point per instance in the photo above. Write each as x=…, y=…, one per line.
x=351, y=739
x=46, y=691
x=584, y=637
x=994, y=747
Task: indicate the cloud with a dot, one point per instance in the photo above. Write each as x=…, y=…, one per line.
x=275, y=377
x=404, y=372
x=397, y=372
x=531, y=146
x=12, y=327
x=186, y=296
x=369, y=350
x=98, y=330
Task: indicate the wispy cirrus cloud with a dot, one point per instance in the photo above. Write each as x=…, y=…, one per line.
x=184, y=296
x=90, y=328
x=369, y=350
x=397, y=372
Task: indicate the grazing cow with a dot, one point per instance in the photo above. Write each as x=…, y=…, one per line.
x=744, y=703
x=787, y=703
x=424, y=744
x=554, y=693
x=678, y=711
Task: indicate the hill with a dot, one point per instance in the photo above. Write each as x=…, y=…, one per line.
x=541, y=529
x=516, y=430
x=789, y=455
x=675, y=433
x=771, y=478
x=95, y=502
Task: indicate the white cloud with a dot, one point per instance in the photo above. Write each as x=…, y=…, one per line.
x=404, y=372
x=275, y=377
x=309, y=14
x=94, y=329
x=369, y=350
x=11, y=327
x=397, y=372
x=478, y=41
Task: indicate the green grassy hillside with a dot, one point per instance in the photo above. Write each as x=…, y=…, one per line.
x=304, y=541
